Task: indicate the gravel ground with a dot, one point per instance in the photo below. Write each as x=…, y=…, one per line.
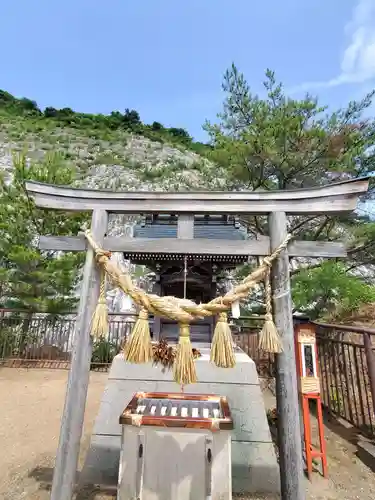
x=30, y=412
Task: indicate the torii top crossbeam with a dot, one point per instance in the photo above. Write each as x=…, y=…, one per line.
x=337, y=197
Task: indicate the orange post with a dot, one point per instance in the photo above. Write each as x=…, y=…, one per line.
x=309, y=388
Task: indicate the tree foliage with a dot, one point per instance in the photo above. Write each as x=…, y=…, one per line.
x=276, y=142
x=31, y=279
x=329, y=287
x=129, y=120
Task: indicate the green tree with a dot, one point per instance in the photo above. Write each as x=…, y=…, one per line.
x=97, y=124
x=131, y=118
x=29, y=106
x=180, y=132
x=31, y=279
x=329, y=287
x=156, y=126
x=50, y=112
x=277, y=142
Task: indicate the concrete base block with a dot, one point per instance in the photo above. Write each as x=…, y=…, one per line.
x=252, y=469
x=254, y=464
x=102, y=461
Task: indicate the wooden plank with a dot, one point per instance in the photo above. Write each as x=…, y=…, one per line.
x=289, y=438
x=336, y=197
x=345, y=187
x=72, y=421
x=197, y=246
x=63, y=243
x=334, y=204
x=317, y=249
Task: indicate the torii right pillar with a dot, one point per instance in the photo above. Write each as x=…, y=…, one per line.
x=289, y=437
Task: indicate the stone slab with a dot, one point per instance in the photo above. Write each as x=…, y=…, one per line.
x=102, y=461
x=243, y=373
x=252, y=469
x=254, y=464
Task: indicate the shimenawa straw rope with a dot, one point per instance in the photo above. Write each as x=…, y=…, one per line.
x=185, y=311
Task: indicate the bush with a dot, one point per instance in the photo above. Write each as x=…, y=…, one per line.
x=330, y=287
x=8, y=343
x=95, y=124
x=103, y=352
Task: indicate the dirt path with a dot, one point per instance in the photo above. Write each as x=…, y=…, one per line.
x=349, y=478
x=31, y=403
x=30, y=412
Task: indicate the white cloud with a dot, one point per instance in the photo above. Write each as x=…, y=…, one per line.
x=358, y=59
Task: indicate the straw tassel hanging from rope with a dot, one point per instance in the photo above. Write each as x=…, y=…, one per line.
x=184, y=372
x=222, y=353
x=99, y=323
x=269, y=338
x=138, y=348
x=184, y=367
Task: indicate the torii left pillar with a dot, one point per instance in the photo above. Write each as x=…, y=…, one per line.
x=64, y=477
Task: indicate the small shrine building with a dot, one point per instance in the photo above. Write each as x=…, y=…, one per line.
x=201, y=280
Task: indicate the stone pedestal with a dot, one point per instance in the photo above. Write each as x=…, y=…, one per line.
x=254, y=464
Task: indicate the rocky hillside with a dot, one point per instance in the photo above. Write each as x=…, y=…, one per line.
x=122, y=161
x=108, y=154
x=116, y=151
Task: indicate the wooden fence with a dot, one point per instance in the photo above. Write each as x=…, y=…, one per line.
x=38, y=340
x=346, y=357
x=347, y=373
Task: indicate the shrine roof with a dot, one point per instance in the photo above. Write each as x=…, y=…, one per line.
x=216, y=232
x=208, y=227
x=205, y=228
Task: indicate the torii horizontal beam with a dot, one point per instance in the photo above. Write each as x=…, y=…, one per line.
x=194, y=247
x=337, y=197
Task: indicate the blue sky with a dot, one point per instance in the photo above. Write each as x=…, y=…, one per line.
x=166, y=58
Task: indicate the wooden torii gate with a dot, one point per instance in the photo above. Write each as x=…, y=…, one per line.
x=334, y=198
